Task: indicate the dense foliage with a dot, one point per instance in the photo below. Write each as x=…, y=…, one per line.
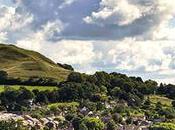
x=163, y=126
x=12, y=125
x=97, y=88
x=128, y=97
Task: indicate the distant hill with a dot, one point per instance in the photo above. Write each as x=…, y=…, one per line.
x=23, y=64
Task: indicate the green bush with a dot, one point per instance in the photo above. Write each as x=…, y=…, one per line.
x=111, y=125
x=163, y=126
x=11, y=125
x=93, y=123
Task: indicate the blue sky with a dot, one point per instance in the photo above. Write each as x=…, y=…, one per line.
x=129, y=36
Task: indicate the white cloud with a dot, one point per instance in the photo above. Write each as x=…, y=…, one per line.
x=10, y=20
x=73, y=52
x=119, y=12
x=123, y=12
x=164, y=31
x=35, y=40
x=66, y=3
x=6, y=14
x=132, y=55
x=3, y=37
x=134, y=15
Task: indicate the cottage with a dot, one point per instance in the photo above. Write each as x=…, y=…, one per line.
x=159, y=120
x=106, y=119
x=84, y=111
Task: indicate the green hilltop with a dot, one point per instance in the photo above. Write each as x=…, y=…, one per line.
x=24, y=64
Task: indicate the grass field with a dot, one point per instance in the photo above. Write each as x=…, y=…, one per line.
x=40, y=88
x=163, y=100
x=67, y=104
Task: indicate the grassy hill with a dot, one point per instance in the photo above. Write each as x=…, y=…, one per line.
x=23, y=64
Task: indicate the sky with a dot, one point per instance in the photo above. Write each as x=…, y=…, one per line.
x=134, y=37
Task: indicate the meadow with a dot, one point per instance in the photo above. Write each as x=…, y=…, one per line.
x=40, y=88
x=166, y=102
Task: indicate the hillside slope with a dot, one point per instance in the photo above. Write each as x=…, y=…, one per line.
x=23, y=64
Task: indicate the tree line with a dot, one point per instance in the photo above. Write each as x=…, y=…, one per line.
x=97, y=88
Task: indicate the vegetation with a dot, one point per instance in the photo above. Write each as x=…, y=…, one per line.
x=31, y=88
x=163, y=100
x=59, y=105
x=163, y=126
x=12, y=125
x=93, y=123
x=24, y=64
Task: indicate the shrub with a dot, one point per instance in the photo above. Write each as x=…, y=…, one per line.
x=111, y=125
x=163, y=126
x=93, y=123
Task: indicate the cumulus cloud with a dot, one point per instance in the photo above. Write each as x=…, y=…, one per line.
x=3, y=37
x=35, y=40
x=11, y=20
x=130, y=54
x=119, y=12
x=125, y=12
x=103, y=19
x=66, y=3
x=133, y=14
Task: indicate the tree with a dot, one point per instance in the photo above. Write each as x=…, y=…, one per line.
x=66, y=66
x=12, y=125
x=24, y=97
x=150, y=87
x=116, y=92
x=117, y=118
x=147, y=103
x=25, y=94
x=103, y=78
x=8, y=99
x=158, y=106
x=3, y=76
x=41, y=97
x=75, y=77
x=173, y=103
x=76, y=123
x=83, y=126
x=163, y=126
x=111, y=125
x=69, y=92
x=129, y=121
x=93, y=123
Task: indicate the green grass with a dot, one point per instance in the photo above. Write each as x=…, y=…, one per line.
x=65, y=104
x=40, y=88
x=163, y=126
x=163, y=100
